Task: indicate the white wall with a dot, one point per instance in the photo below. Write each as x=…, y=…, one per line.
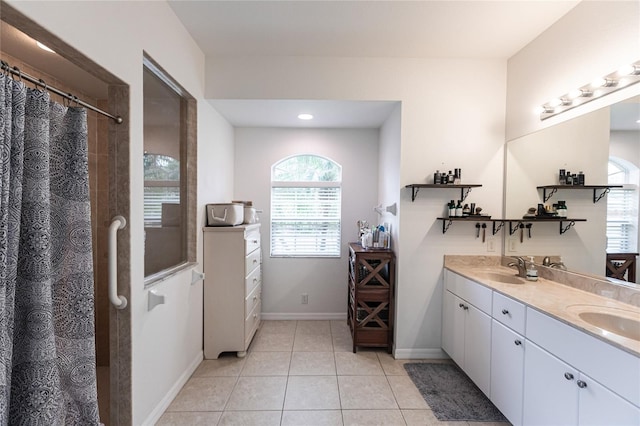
x=389, y=170
x=594, y=39
x=324, y=280
x=167, y=342
x=452, y=116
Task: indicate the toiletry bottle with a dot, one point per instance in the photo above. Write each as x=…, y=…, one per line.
x=532, y=272
x=569, y=178
x=580, y=178
x=450, y=177
x=459, y=209
x=466, y=211
x=436, y=177
x=452, y=209
x=562, y=209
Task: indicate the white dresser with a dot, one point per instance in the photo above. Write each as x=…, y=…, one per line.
x=232, y=288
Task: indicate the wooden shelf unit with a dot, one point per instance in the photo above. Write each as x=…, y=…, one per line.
x=370, y=299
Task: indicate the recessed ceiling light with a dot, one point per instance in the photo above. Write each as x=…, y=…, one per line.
x=43, y=47
x=305, y=116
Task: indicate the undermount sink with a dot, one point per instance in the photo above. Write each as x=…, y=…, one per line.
x=616, y=321
x=501, y=277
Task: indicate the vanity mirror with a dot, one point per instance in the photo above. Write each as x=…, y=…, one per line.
x=586, y=143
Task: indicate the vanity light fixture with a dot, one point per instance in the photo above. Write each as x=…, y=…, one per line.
x=624, y=77
x=305, y=116
x=43, y=47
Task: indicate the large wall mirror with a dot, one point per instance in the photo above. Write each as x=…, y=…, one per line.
x=605, y=146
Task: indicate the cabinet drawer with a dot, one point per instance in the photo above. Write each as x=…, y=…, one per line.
x=253, y=299
x=251, y=322
x=251, y=240
x=476, y=294
x=252, y=281
x=252, y=261
x=605, y=363
x=509, y=312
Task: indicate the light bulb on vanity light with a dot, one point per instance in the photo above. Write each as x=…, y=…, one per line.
x=629, y=70
x=579, y=93
x=305, y=116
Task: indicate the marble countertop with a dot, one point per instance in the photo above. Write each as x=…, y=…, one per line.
x=559, y=301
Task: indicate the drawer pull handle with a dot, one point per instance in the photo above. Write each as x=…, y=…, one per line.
x=517, y=342
x=254, y=241
x=255, y=280
x=581, y=384
x=568, y=376
x=255, y=316
x=461, y=305
x=255, y=260
x=505, y=312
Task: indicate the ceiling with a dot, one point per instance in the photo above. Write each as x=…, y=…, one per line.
x=392, y=28
x=469, y=29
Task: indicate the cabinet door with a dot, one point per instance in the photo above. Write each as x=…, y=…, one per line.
x=599, y=406
x=477, y=346
x=550, y=391
x=453, y=328
x=507, y=371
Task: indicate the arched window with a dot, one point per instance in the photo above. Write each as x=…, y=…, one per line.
x=622, y=207
x=305, y=207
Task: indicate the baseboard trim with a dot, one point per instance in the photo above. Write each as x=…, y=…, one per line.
x=164, y=403
x=426, y=353
x=302, y=316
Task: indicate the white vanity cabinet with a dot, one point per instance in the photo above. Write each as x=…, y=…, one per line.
x=232, y=288
x=466, y=326
x=574, y=379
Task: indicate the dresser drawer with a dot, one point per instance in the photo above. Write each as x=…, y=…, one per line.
x=252, y=281
x=253, y=299
x=251, y=323
x=251, y=240
x=509, y=312
x=252, y=261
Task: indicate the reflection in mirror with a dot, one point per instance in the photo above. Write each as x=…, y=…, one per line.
x=605, y=145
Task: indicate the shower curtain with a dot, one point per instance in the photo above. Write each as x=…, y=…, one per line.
x=47, y=346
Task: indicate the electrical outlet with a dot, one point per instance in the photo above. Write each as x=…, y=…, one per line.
x=491, y=244
x=304, y=299
x=513, y=245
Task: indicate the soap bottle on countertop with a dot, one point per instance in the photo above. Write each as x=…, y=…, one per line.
x=532, y=272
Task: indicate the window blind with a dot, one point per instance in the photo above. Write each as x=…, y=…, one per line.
x=622, y=212
x=305, y=220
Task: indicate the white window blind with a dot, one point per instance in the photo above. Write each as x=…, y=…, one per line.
x=306, y=208
x=305, y=220
x=621, y=223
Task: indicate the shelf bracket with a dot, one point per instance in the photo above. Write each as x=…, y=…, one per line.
x=546, y=197
x=445, y=225
x=463, y=193
x=597, y=198
x=564, y=229
x=497, y=229
x=512, y=230
x=414, y=193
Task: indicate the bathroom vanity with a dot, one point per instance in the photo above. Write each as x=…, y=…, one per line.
x=543, y=352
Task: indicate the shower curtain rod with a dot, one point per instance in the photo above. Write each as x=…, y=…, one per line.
x=69, y=96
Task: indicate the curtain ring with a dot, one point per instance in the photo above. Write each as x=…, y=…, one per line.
x=41, y=83
x=66, y=100
x=76, y=100
x=5, y=67
x=18, y=73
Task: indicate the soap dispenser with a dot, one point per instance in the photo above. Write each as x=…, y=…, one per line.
x=532, y=272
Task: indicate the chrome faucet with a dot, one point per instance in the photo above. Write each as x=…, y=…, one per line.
x=559, y=265
x=521, y=265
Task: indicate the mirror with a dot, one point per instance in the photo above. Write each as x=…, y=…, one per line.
x=582, y=144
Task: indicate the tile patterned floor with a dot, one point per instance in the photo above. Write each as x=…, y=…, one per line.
x=302, y=373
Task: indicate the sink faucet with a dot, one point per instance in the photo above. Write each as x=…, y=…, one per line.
x=547, y=262
x=521, y=265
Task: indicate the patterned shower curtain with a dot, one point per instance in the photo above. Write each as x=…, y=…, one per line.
x=47, y=346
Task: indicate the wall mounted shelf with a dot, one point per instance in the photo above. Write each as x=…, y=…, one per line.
x=464, y=188
x=552, y=189
x=564, y=222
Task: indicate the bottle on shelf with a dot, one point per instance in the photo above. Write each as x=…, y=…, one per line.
x=562, y=209
x=466, y=211
x=580, y=178
x=569, y=179
x=436, y=177
x=562, y=177
x=452, y=209
x=459, y=209
x=450, y=177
